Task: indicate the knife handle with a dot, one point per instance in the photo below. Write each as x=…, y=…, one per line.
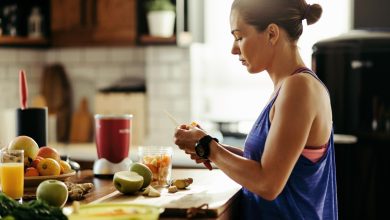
x=23, y=89
x=207, y=164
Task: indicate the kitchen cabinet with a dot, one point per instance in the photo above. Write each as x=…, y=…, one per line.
x=17, y=27
x=93, y=22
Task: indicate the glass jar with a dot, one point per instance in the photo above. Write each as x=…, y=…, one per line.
x=159, y=161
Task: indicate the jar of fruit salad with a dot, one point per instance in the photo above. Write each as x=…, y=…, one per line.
x=159, y=161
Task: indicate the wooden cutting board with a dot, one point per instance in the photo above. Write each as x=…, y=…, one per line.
x=81, y=124
x=213, y=188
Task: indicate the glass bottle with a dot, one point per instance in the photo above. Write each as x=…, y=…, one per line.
x=35, y=23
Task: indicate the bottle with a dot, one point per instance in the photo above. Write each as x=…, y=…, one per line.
x=35, y=23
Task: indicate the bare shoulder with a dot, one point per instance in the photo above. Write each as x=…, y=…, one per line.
x=302, y=84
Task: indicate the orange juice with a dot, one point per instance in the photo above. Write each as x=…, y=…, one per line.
x=12, y=179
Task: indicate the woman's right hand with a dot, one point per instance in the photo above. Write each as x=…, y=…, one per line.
x=186, y=137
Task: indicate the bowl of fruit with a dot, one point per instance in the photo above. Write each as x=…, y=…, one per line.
x=41, y=163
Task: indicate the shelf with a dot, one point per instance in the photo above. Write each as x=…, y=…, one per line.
x=150, y=40
x=23, y=41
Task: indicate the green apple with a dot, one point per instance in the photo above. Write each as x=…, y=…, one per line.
x=128, y=182
x=27, y=144
x=144, y=171
x=54, y=192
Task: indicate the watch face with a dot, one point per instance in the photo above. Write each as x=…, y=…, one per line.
x=200, y=151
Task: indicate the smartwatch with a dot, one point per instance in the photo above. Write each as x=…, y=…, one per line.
x=202, y=147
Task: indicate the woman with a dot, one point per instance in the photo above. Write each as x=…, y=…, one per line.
x=287, y=167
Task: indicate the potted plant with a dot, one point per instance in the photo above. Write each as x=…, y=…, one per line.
x=161, y=17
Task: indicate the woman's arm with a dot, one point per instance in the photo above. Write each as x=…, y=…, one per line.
x=235, y=150
x=291, y=124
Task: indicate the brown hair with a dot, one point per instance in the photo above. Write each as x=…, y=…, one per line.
x=287, y=14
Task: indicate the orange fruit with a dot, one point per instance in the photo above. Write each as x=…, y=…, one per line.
x=65, y=167
x=36, y=161
x=31, y=171
x=49, y=167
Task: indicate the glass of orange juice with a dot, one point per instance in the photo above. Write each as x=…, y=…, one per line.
x=159, y=161
x=12, y=173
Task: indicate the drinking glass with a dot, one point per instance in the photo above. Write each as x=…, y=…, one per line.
x=12, y=172
x=159, y=161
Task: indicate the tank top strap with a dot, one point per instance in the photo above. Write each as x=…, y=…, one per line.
x=311, y=72
x=299, y=70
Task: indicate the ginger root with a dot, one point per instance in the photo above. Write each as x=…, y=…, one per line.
x=76, y=191
x=182, y=183
x=172, y=189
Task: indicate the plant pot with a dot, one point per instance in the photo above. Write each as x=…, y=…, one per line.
x=161, y=23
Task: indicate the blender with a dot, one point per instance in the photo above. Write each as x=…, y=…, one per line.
x=113, y=140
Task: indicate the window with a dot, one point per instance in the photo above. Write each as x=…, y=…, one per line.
x=223, y=89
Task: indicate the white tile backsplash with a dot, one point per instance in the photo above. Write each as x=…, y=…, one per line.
x=165, y=68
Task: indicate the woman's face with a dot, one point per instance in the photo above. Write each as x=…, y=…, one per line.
x=252, y=47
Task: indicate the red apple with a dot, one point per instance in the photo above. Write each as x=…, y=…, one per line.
x=49, y=152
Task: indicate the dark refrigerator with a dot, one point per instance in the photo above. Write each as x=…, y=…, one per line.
x=355, y=67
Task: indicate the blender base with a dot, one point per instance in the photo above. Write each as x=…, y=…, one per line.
x=104, y=168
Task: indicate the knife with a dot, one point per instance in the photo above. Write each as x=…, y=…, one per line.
x=23, y=92
x=207, y=163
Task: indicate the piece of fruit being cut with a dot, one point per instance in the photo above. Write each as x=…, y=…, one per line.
x=128, y=182
x=144, y=171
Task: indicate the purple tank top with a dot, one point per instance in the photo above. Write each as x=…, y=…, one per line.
x=310, y=192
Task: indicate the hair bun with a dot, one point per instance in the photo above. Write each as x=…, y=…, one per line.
x=312, y=13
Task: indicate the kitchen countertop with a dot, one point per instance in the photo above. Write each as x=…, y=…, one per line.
x=213, y=188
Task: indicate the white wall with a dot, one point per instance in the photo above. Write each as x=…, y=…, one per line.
x=166, y=70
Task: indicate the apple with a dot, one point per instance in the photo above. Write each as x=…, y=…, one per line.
x=54, y=192
x=144, y=171
x=27, y=144
x=49, y=152
x=128, y=182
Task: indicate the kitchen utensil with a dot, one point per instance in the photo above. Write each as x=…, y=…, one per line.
x=56, y=90
x=23, y=92
x=207, y=163
x=113, y=140
x=33, y=122
x=81, y=125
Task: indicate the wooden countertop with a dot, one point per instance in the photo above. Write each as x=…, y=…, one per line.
x=213, y=188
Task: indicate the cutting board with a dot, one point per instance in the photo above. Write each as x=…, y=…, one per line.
x=214, y=189
x=57, y=92
x=81, y=124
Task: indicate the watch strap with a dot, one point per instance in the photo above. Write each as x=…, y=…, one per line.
x=202, y=147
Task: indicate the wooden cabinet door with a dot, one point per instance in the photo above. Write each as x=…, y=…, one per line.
x=116, y=21
x=93, y=22
x=65, y=15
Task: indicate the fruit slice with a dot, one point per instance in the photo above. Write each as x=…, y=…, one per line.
x=128, y=182
x=144, y=171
